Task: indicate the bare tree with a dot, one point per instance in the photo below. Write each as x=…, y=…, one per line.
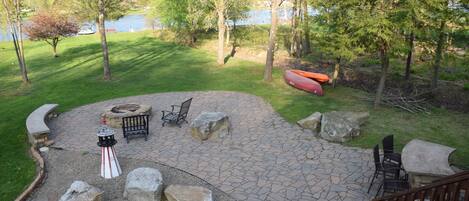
x=272, y=38
x=12, y=10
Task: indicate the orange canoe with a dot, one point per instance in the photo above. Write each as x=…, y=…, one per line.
x=322, y=78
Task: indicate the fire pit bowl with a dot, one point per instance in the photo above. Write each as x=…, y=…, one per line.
x=113, y=115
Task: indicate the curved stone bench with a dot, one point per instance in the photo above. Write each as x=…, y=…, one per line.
x=38, y=131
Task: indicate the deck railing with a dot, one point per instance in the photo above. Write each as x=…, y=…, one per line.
x=451, y=188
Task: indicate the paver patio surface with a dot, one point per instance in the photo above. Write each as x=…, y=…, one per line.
x=263, y=158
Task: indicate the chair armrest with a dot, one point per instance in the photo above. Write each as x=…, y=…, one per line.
x=165, y=112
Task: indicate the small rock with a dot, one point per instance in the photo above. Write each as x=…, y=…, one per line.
x=44, y=149
x=312, y=122
x=210, y=125
x=82, y=191
x=187, y=193
x=143, y=184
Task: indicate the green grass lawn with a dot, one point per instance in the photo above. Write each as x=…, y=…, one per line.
x=141, y=64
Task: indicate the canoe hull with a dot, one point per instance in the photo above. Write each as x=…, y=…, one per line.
x=302, y=83
x=319, y=77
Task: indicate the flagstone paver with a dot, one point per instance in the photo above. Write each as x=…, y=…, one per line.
x=263, y=158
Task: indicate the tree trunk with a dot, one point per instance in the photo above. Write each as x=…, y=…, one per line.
x=306, y=38
x=336, y=72
x=102, y=33
x=19, y=25
x=409, y=56
x=438, y=55
x=227, y=29
x=272, y=37
x=15, y=25
x=384, y=71
x=220, y=6
x=295, y=47
x=54, y=46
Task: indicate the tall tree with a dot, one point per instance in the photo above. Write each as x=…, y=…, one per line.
x=225, y=10
x=295, y=46
x=99, y=11
x=12, y=13
x=51, y=27
x=102, y=33
x=272, y=39
x=185, y=17
x=220, y=7
x=334, y=36
x=375, y=23
x=306, y=38
x=409, y=12
x=440, y=16
x=237, y=10
x=410, y=51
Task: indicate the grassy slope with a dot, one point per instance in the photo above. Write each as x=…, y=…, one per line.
x=142, y=65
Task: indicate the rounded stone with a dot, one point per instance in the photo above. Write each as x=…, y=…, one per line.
x=113, y=114
x=144, y=184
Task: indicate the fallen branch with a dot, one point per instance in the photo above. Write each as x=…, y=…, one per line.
x=412, y=103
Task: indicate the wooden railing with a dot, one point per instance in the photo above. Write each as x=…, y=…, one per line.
x=452, y=188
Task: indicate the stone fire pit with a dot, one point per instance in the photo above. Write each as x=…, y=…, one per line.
x=113, y=115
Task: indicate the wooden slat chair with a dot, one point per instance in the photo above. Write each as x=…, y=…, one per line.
x=135, y=126
x=173, y=117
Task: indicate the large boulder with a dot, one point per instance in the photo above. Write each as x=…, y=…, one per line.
x=187, y=193
x=214, y=125
x=143, y=184
x=82, y=191
x=312, y=122
x=339, y=126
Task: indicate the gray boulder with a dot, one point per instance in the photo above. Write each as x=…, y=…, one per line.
x=187, y=193
x=82, y=191
x=214, y=125
x=143, y=184
x=339, y=126
x=313, y=122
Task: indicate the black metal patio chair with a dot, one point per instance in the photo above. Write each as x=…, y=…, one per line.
x=388, y=150
x=380, y=165
x=173, y=117
x=135, y=126
x=393, y=182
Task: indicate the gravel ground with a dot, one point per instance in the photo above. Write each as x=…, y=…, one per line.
x=63, y=167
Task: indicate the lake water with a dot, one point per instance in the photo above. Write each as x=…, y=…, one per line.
x=130, y=23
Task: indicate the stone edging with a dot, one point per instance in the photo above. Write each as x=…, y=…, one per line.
x=39, y=178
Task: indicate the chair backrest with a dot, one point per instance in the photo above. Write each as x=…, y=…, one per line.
x=184, y=109
x=388, y=144
x=376, y=157
x=138, y=122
